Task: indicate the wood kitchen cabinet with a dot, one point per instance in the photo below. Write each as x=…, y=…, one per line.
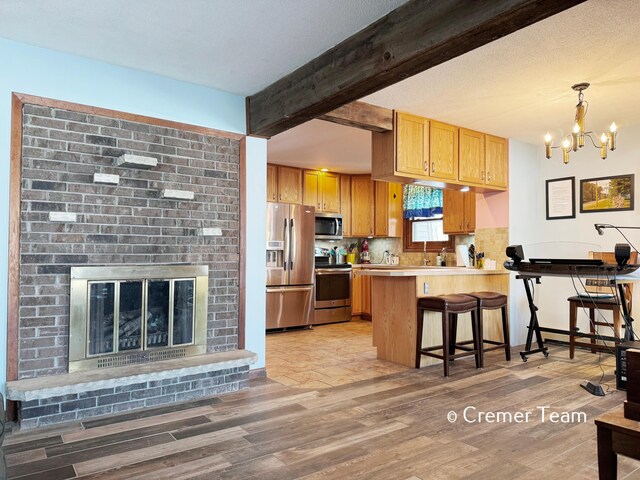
x=458, y=211
x=471, y=157
x=439, y=154
x=362, y=206
x=361, y=294
x=284, y=184
x=412, y=144
x=272, y=183
x=322, y=190
x=443, y=150
x=345, y=204
x=388, y=209
x=497, y=161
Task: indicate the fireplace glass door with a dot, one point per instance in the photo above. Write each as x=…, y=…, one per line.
x=159, y=311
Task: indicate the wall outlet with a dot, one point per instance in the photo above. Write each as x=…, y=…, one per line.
x=426, y=288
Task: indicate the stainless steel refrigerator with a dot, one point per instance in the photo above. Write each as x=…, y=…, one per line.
x=290, y=265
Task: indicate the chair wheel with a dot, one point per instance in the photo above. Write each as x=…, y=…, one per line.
x=546, y=354
x=524, y=359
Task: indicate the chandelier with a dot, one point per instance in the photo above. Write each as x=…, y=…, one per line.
x=575, y=140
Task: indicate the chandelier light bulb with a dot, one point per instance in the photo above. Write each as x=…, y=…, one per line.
x=576, y=128
x=565, y=144
x=603, y=138
x=613, y=128
x=547, y=138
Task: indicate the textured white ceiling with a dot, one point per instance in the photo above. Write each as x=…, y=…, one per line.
x=238, y=46
x=517, y=87
x=318, y=144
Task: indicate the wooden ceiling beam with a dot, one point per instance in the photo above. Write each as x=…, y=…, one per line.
x=410, y=39
x=361, y=115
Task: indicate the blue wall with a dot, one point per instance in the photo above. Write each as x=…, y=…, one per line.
x=42, y=72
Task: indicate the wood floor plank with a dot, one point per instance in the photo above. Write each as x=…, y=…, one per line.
x=60, y=473
x=140, y=424
x=170, y=461
x=32, y=445
x=115, y=438
x=212, y=426
x=150, y=412
x=87, y=456
x=24, y=457
x=106, y=462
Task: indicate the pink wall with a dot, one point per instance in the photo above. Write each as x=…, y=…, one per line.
x=492, y=210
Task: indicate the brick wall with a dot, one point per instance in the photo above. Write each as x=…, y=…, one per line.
x=124, y=224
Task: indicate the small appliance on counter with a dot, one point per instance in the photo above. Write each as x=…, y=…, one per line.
x=364, y=254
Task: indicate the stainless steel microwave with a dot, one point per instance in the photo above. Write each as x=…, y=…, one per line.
x=328, y=226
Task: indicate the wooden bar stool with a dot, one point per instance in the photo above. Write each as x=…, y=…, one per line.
x=593, y=304
x=493, y=301
x=450, y=306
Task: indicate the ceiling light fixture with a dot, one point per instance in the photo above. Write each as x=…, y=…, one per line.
x=575, y=139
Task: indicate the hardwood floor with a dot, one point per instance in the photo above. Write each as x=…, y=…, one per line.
x=392, y=426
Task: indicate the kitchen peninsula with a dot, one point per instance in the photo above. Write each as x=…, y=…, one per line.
x=395, y=293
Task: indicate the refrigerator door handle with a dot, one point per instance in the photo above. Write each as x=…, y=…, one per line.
x=293, y=250
x=286, y=245
x=289, y=289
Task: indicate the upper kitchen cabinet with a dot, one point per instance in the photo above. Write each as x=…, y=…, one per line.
x=362, y=206
x=272, y=183
x=401, y=154
x=443, y=150
x=322, y=190
x=472, y=157
x=412, y=144
x=458, y=211
x=284, y=184
x=497, y=161
x=439, y=155
x=345, y=204
x=388, y=209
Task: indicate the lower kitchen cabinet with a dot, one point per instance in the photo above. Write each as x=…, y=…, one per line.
x=361, y=294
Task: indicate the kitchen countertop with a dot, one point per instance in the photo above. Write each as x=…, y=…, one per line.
x=377, y=270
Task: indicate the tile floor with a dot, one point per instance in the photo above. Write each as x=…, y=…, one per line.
x=325, y=356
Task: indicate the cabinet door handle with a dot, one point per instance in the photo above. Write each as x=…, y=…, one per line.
x=488, y=176
x=433, y=167
x=426, y=166
x=482, y=173
x=274, y=196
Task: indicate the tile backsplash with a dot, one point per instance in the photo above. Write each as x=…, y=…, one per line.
x=492, y=241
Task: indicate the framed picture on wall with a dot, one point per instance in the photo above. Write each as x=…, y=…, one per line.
x=561, y=198
x=606, y=194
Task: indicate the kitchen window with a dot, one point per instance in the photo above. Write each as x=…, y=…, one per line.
x=418, y=246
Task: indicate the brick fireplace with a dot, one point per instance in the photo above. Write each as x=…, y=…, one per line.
x=100, y=190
